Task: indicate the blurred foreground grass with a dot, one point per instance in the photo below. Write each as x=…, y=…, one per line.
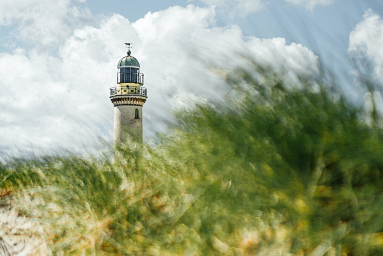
x=274, y=171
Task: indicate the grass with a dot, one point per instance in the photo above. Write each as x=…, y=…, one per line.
x=275, y=170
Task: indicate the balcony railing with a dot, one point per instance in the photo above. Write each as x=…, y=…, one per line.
x=137, y=78
x=137, y=91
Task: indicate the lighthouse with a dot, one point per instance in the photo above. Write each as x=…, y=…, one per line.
x=128, y=98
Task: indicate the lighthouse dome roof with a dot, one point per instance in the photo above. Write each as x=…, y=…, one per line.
x=128, y=61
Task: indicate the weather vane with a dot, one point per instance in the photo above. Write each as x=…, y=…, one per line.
x=129, y=47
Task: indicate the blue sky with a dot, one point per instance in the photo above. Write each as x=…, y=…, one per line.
x=58, y=58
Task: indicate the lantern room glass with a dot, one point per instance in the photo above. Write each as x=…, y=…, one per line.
x=129, y=75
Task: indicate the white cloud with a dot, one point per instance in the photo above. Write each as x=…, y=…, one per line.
x=366, y=41
x=63, y=99
x=44, y=22
x=310, y=4
x=237, y=7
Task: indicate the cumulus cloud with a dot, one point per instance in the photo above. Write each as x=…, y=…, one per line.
x=237, y=7
x=310, y=4
x=44, y=22
x=63, y=98
x=366, y=40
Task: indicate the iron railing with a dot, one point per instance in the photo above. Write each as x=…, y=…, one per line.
x=136, y=91
x=136, y=78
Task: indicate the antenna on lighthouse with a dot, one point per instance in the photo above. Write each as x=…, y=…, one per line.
x=129, y=47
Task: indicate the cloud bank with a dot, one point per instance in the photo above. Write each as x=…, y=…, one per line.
x=43, y=22
x=61, y=99
x=366, y=42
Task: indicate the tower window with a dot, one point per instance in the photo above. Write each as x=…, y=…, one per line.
x=136, y=114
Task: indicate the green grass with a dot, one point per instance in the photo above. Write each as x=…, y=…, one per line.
x=274, y=170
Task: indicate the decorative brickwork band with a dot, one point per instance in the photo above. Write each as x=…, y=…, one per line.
x=128, y=100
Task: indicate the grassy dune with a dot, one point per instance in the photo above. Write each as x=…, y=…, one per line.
x=275, y=170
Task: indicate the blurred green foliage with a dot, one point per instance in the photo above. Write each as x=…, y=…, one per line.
x=275, y=170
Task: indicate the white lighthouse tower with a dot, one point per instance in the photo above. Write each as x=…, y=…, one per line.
x=128, y=97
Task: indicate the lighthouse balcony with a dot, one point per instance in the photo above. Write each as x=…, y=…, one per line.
x=138, y=91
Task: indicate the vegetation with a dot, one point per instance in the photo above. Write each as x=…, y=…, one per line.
x=275, y=170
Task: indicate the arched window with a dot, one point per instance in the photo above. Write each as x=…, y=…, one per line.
x=136, y=113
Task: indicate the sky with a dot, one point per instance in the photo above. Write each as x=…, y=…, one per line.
x=58, y=58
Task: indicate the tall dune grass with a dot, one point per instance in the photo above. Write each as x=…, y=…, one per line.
x=275, y=170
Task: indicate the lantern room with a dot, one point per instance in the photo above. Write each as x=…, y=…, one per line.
x=129, y=71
